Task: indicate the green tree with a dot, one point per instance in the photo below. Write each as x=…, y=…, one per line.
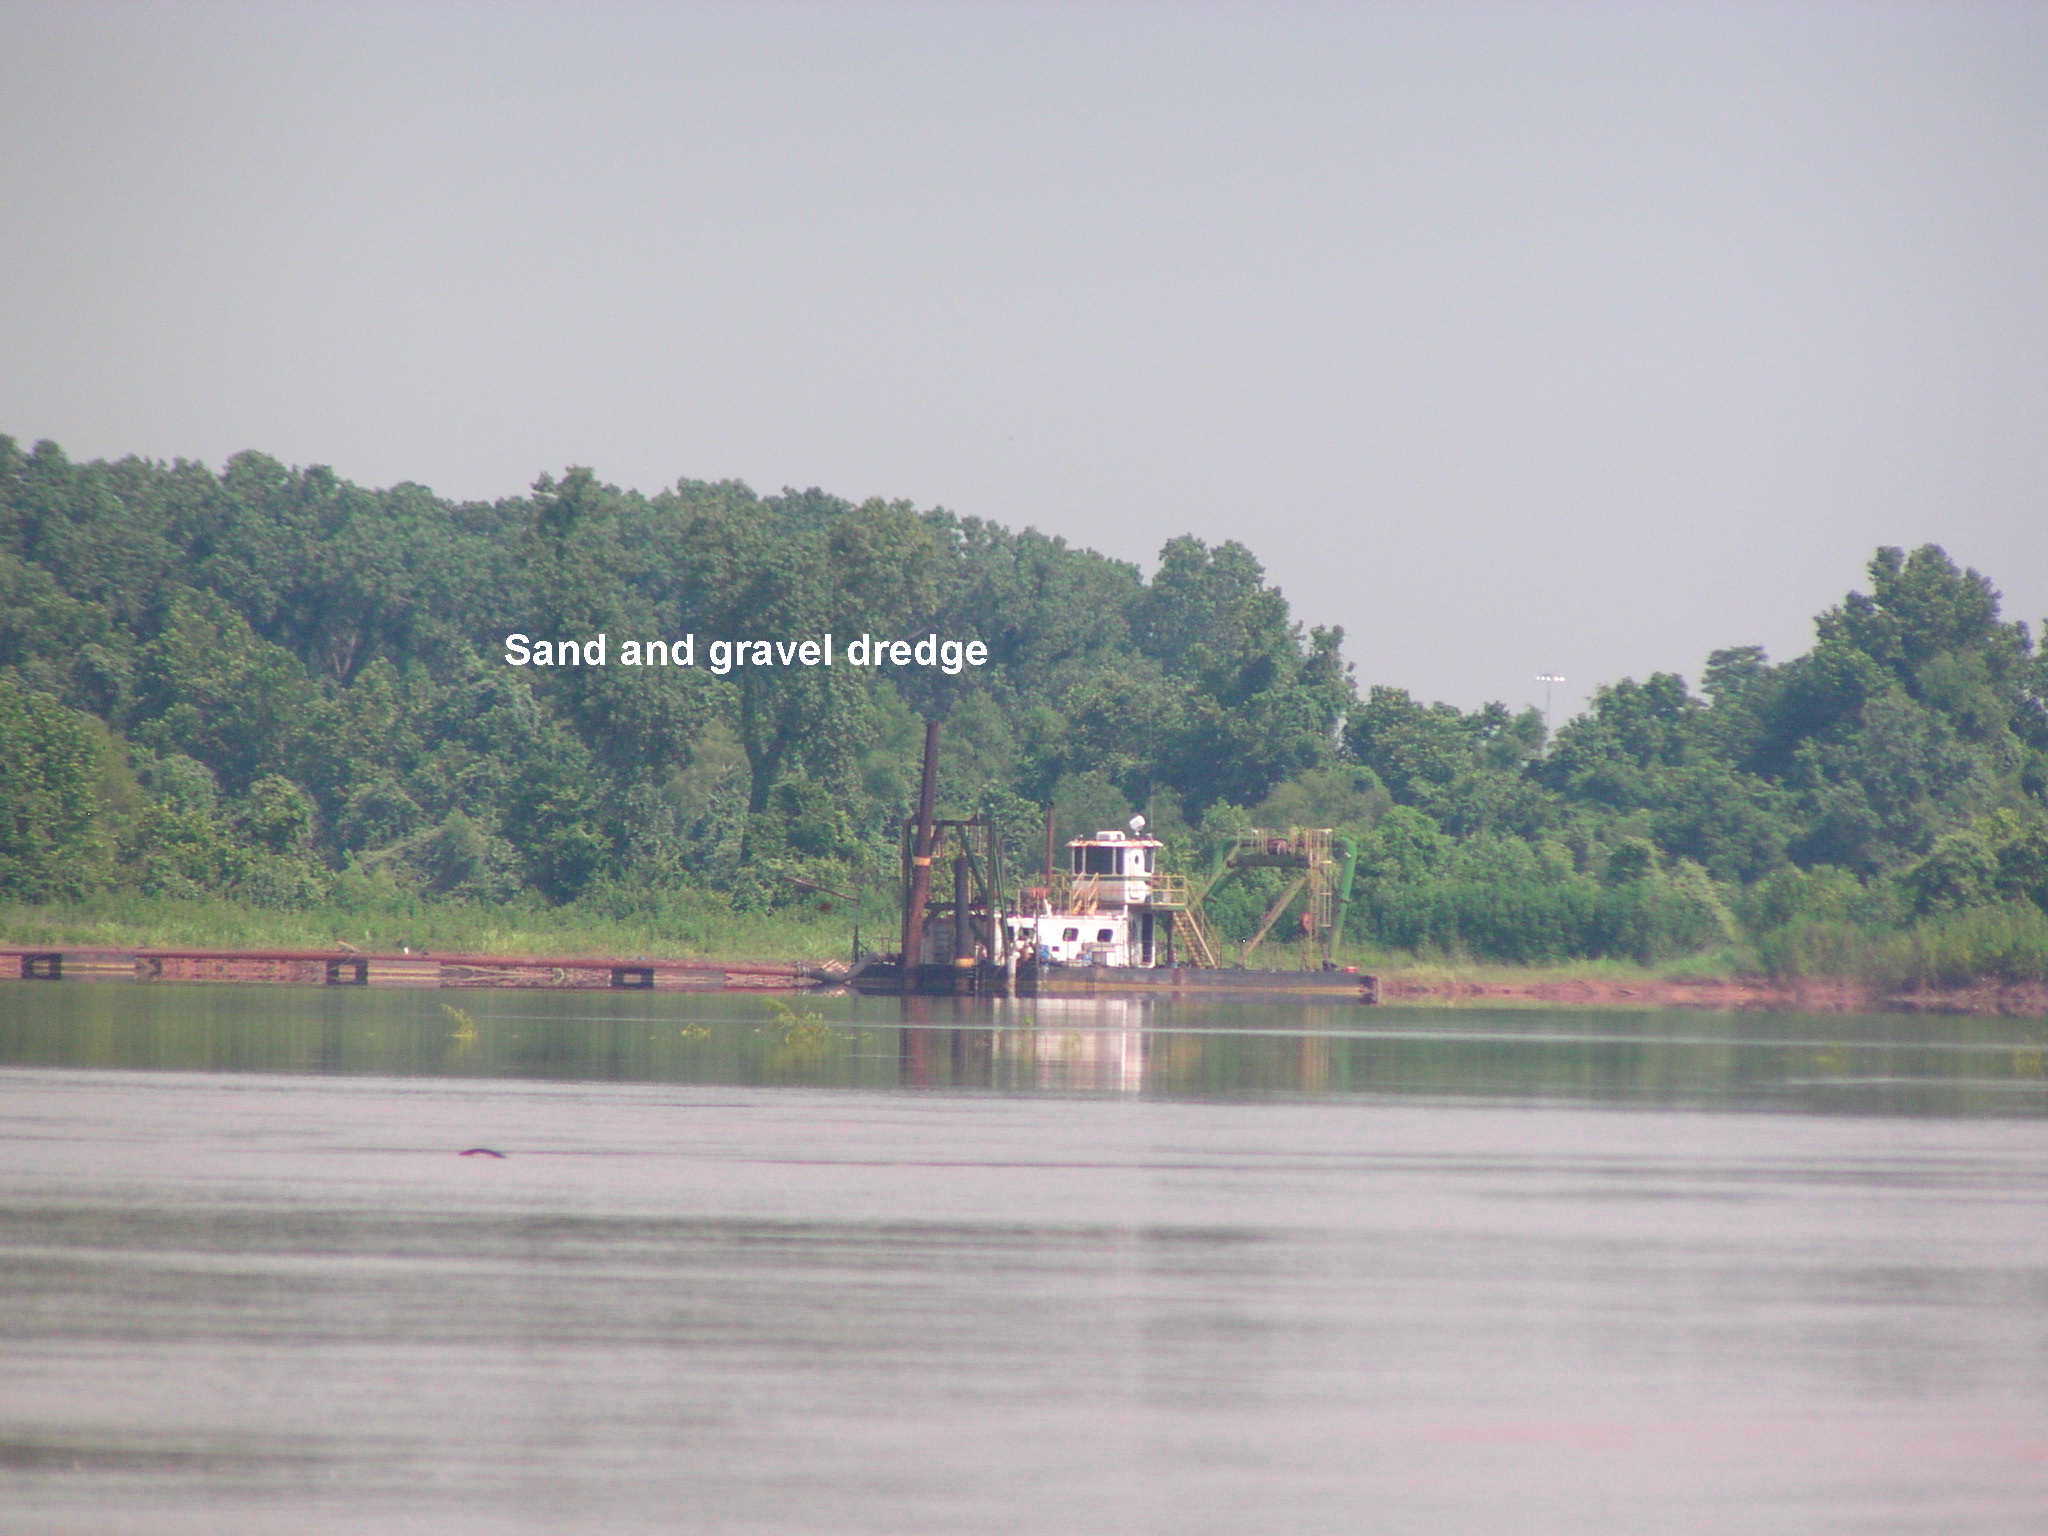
x=1960, y=870
x=211, y=689
x=55, y=838
x=1403, y=848
x=1264, y=701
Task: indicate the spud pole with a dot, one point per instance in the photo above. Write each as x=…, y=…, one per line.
x=921, y=860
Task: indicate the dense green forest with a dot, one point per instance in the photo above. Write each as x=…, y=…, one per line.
x=270, y=685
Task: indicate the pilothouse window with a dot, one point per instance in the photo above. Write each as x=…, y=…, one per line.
x=1096, y=861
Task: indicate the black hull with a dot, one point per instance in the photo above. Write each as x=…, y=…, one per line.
x=884, y=978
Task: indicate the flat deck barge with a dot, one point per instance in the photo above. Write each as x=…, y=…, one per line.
x=331, y=968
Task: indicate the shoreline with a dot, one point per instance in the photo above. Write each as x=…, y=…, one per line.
x=1725, y=994
x=1407, y=986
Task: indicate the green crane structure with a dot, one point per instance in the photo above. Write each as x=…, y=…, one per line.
x=1326, y=863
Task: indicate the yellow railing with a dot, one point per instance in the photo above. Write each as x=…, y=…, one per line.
x=1167, y=891
x=1304, y=846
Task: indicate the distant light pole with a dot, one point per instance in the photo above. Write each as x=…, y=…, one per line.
x=1549, y=680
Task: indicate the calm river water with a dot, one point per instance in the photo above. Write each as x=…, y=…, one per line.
x=841, y=1265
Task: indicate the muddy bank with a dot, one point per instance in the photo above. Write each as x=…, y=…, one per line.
x=1810, y=995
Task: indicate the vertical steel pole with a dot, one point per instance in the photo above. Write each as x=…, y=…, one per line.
x=963, y=929
x=921, y=860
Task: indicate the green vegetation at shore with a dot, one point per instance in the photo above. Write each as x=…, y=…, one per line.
x=2002, y=944
x=266, y=707
x=711, y=931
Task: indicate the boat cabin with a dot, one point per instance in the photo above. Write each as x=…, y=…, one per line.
x=1112, y=869
x=1070, y=938
x=1099, y=912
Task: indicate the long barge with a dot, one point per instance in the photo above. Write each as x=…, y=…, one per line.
x=348, y=968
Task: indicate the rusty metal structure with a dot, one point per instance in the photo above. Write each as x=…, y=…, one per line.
x=349, y=968
x=1110, y=921
x=1325, y=864
x=961, y=934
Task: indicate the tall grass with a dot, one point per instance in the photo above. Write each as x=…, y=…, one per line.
x=2006, y=944
x=677, y=927
x=1529, y=922
x=1952, y=949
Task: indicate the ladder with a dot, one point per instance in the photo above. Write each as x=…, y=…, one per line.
x=1170, y=894
x=1198, y=935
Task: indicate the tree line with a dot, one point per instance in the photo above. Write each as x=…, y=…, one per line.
x=269, y=684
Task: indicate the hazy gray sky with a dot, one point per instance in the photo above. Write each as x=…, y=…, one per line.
x=1575, y=337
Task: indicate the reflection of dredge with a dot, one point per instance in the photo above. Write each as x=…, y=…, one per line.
x=1110, y=919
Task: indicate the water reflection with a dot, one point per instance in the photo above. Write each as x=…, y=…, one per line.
x=866, y=1266
x=1152, y=1046
x=1056, y=1044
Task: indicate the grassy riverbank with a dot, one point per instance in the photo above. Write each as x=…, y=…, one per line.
x=697, y=929
x=676, y=926
x=1980, y=946
x=1992, y=959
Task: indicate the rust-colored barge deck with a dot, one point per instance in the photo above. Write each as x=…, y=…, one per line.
x=343, y=968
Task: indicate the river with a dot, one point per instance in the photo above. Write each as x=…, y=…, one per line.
x=754, y=1264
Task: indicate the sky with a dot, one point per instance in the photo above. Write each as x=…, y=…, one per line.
x=1522, y=338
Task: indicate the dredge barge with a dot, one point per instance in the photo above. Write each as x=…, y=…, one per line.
x=1108, y=920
